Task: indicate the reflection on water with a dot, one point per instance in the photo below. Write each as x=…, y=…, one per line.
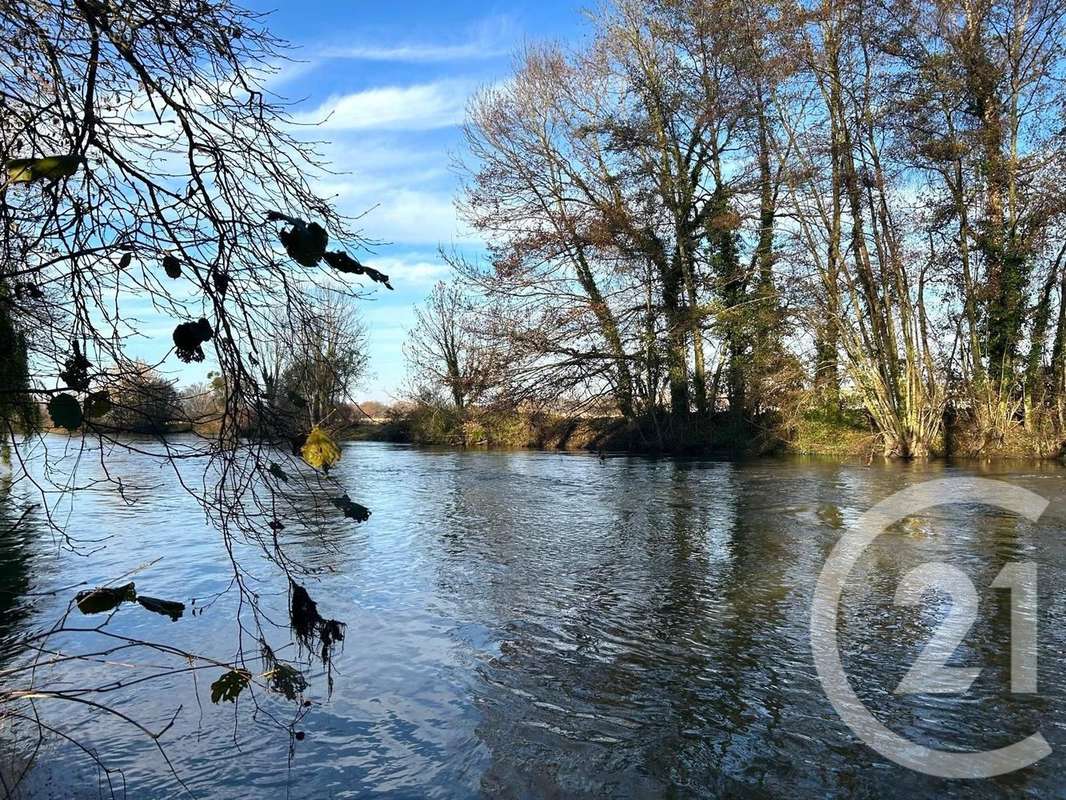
x=544, y=625
x=20, y=536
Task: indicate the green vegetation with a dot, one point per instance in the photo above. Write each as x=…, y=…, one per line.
x=841, y=433
x=833, y=433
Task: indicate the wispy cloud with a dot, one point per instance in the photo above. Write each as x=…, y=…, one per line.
x=399, y=186
x=417, y=53
x=420, y=107
x=410, y=270
x=489, y=38
x=414, y=215
x=400, y=213
x=282, y=72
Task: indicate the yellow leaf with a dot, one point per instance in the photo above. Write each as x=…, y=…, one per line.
x=27, y=170
x=319, y=450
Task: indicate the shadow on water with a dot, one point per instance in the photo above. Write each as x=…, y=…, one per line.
x=23, y=537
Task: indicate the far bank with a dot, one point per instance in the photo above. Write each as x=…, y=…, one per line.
x=846, y=433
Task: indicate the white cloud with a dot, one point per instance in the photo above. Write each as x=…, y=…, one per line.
x=489, y=38
x=415, y=216
x=417, y=52
x=381, y=154
x=404, y=209
x=409, y=270
x=420, y=107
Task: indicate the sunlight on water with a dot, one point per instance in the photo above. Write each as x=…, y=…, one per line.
x=546, y=625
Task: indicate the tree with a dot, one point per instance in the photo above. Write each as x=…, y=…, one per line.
x=200, y=404
x=629, y=192
x=141, y=158
x=142, y=401
x=983, y=121
x=442, y=350
x=705, y=193
x=551, y=278
x=315, y=372
x=867, y=270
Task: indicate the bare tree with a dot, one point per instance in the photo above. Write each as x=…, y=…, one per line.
x=140, y=400
x=314, y=371
x=443, y=349
x=200, y=404
x=629, y=191
x=143, y=158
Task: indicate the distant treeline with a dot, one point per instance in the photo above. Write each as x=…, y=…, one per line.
x=306, y=377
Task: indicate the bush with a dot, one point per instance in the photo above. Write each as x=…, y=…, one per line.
x=843, y=432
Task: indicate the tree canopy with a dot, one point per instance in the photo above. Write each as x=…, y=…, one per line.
x=748, y=209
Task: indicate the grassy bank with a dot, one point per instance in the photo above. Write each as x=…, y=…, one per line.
x=845, y=434
x=840, y=433
x=831, y=433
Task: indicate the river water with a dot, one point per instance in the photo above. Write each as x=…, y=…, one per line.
x=540, y=625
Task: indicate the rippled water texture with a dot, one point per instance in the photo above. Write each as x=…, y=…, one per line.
x=544, y=625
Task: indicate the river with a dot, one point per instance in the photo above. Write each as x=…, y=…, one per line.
x=540, y=625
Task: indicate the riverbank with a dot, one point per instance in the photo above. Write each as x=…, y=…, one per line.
x=607, y=434
x=846, y=433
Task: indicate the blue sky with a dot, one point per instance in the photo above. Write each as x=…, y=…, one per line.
x=396, y=78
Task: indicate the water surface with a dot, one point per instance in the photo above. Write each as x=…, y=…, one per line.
x=537, y=625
